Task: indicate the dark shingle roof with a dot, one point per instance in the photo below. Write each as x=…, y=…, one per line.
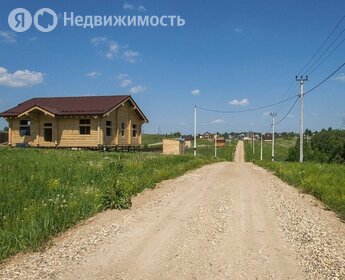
x=66, y=106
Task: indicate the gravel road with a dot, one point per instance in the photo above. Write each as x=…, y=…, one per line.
x=222, y=221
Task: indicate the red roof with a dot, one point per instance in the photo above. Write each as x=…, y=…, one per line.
x=66, y=106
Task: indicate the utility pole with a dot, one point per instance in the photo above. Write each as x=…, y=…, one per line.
x=273, y=115
x=195, y=130
x=215, y=145
x=253, y=143
x=261, y=147
x=301, y=81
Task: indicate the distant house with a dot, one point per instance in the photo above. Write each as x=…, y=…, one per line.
x=189, y=140
x=268, y=137
x=220, y=141
x=206, y=135
x=89, y=121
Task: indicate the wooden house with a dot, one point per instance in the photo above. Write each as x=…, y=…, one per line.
x=88, y=121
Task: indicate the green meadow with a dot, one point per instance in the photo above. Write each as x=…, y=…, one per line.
x=44, y=192
x=324, y=181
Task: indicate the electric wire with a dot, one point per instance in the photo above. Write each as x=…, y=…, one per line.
x=324, y=52
x=245, y=110
x=325, y=79
x=288, y=112
x=322, y=45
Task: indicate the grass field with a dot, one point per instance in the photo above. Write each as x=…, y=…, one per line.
x=205, y=148
x=324, y=181
x=45, y=192
x=281, y=147
x=149, y=139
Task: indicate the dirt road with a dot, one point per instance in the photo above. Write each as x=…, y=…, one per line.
x=223, y=221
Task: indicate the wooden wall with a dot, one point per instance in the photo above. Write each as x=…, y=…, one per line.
x=66, y=130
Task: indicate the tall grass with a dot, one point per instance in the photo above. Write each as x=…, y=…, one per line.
x=281, y=148
x=45, y=192
x=324, y=181
x=205, y=148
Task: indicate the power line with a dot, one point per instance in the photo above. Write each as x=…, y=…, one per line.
x=325, y=51
x=324, y=80
x=245, y=110
x=322, y=45
x=317, y=66
x=313, y=88
x=287, y=114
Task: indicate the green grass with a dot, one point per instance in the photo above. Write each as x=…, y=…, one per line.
x=324, y=181
x=45, y=192
x=149, y=139
x=281, y=148
x=205, y=148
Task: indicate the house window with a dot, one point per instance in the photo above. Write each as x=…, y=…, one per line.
x=134, y=130
x=108, y=125
x=84, y=126
x=123, y=129
x=24, y=128
x=48, y=132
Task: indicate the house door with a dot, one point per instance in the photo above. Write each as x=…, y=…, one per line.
x=48, y=132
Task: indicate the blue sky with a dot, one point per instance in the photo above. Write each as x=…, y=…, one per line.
x=249, y=51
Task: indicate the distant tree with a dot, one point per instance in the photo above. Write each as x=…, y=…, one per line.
x=293, y=154
x=308, y=132
x=6, y=128
x=327, y=146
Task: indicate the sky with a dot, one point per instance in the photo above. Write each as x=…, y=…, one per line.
x=229, y=55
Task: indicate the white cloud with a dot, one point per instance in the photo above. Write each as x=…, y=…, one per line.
x=141, y=9
x=137, y=89
x=128, y=6
x=122, y=76
x=8, y=37
x=20, y=78
x=341, y=77
x=93, y=75
x=218, y=121
x=98, y=40
x=131, y=7
x=126, y=83
x=243, y=102
x=238, y=30
x=195, y=92
x=130, y=56
x=112, y=49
